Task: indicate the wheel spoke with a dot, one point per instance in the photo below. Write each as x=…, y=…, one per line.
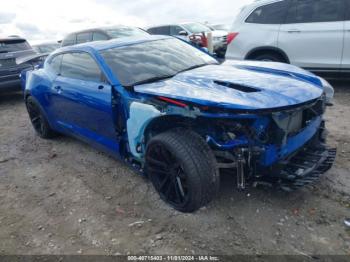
x=180, y=187
x=157, y=163
x=168, y=190
x=32, y=109
x=157, y=170
x=42, y=126
x=164, y=182
x=178, y=197
x=35, y=119
x=167, y=174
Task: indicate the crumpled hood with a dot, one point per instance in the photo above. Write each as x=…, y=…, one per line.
x=240, y=85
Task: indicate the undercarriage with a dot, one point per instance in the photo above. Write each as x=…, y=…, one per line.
x=304, y=168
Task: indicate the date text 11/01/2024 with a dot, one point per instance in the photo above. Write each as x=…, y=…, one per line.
x=173, y=258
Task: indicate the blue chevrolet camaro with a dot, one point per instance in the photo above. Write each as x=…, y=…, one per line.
x=176, y=115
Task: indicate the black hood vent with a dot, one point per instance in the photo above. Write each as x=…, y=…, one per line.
x=245, y=89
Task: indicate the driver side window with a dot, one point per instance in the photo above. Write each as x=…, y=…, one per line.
x=80, y=66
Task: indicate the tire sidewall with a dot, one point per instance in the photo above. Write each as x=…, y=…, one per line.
x=193, y=181
x=47, y=132
x=269, y=58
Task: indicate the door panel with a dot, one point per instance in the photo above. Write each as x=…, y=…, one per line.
x=312, y=36
x=346, y=53
x=83, y=106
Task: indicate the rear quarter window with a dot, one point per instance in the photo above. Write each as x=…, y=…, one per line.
x=84, y=37
x=97, y=36
x=55, y=64
x=69, y=40
x=274, y=13
x=311, y=11
x=152, y=31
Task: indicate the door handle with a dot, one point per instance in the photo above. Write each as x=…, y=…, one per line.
x=100, y=87
x=291, y=31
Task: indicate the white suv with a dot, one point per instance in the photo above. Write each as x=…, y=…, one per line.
x=313, y=34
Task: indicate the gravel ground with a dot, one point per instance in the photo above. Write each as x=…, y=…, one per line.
x=63, y=197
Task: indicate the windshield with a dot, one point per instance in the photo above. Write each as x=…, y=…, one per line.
x=196, y=28
x=125, y=32
x=145, y=61
x=13, y=46
x=221, y=27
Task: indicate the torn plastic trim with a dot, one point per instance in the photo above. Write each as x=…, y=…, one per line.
x=229, y=145
x=140, y=116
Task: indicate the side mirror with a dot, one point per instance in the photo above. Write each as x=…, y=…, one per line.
x=183, y=33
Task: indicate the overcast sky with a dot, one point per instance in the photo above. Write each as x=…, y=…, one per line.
x=46, y=20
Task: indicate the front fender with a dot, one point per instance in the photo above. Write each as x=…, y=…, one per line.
x=140, y=115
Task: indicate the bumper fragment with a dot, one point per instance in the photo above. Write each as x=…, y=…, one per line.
x=306, y=167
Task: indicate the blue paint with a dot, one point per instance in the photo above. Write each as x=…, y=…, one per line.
x=199, y=86
x=79, y=108
x=260, y=125
x=273, y=153
x=239, y=142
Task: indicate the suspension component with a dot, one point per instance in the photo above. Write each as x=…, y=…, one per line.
x=241, y=183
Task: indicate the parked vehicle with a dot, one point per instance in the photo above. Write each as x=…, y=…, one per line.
x=183, y=117
x=12, y=49
x=222, y=27
x=33, y=62
x=313, y=34
x=100, y=34
x=187, y=30
x=36, y=61
x=46, y=48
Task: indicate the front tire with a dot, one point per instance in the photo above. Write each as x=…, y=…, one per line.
x=183, y=169
x=38, y=119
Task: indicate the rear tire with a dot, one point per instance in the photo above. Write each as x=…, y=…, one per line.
x=270, y=57
x=38, y=119
x=183, y=169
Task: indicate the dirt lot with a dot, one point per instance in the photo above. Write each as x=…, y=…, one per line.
x=64, y=197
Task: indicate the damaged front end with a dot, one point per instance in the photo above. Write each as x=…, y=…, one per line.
x=285, y=146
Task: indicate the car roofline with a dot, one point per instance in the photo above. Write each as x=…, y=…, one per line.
x=109, y=44
x=100, y=29
x=12, y=38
